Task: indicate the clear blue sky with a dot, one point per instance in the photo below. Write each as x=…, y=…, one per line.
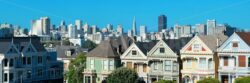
x=102, y=12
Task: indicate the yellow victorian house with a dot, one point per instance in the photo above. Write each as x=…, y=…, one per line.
x=199, y=58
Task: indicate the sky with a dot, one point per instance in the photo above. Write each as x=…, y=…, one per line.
x=103, y=12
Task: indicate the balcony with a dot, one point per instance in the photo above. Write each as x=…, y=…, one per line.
x=163, y=73
x=234, y=69
x=105, y=72
x=198, y=71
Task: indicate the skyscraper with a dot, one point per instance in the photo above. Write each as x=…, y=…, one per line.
x=45, y=25
x=72, y=31
x=110, y=27
x=41, y=26
x=78, y=24
x=162, y=22
x=134, y=27
x=211, y=25
x=143, y=31
x=200, y=29
x=119, y=29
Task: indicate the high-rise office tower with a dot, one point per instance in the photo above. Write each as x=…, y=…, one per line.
x=211, y=26
x=86, y=28
x=45, y=25
x=130, y=33
x=200, y=29
x=63, y=27
x=162, y=22
x=78, y=24
x=110, y=27
x=143, y=32
x=72, y=31
x=94, y=29
x=134, y=27
x=41, y=26
x=119, y=29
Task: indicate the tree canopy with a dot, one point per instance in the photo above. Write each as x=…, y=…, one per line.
x=123, y=75
x=209, y=80
x=89, y=44
x=76, y=67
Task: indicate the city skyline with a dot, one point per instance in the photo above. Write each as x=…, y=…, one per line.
x=146, y=13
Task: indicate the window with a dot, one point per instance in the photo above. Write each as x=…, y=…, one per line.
x=39, y=72
x=111, y=65
x=162, y=50
x=29, y=74
x=189, y=62
x=29, y=60
x=155, y=66
x=136, y=67
x=175, y=66
x=92, y=64
x=202, y=63
x=144, y=67
x=11, y=76
x=87, y=79
x=129, y=64
x=210, y=64
x=105, y=64
x=5, y=62
x=168, y=65
x=248, y=61
x=242, y=61
x=235, y=44
x=24, y=60
x=134, y=52
x=40, y=59
x=196, y=47
x=11, y=62
x=5, y=77
x=225, y=61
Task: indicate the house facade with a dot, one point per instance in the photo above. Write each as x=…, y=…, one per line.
x=135, y=57
x=25, y=60
x=199, y=58
x=105, y=58
x=234, y=57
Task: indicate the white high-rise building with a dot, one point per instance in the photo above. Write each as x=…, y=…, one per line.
x=134, y=27
x=72, y=31
x=41, y=26
x=211, y=26
x=200, y=29
x=119, y=29
x=143, y=32
x=94, y=29
x=86, y=28
x=110, y=27
x=130, y=33
x=78, y=24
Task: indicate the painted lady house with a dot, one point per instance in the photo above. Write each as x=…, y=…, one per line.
x=234, y=56
x=198, y=58
x=135, y=57
x=163, y=60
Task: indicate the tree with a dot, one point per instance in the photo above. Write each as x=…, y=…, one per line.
x=165, y=81
x=123, y=75
x=66, y=42
x=76, y=67
x=89, y=44
x=209, y=80
x=242, y=80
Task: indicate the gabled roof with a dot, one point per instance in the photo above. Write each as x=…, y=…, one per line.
x=245, y=36
x=145, y=46
x=176, y=44
x=211, y=40
x=22, y=42
x=61, y=51
x=104, y=50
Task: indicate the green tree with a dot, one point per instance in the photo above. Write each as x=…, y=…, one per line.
x=76, y=67
x=209, y=80
x=123, y=75
x=165, y=81
x=89, y=44
x=242, y=80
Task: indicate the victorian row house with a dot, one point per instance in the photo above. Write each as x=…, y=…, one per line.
x=25, y=60
x=234, y=56
x=199, y=58
x=156, y=60
x=105, y=58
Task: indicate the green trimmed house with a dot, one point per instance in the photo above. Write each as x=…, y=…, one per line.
x=105, y=58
